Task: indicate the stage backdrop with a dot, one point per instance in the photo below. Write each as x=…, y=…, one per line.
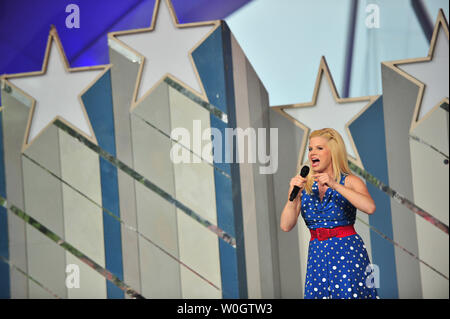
x=146, y=158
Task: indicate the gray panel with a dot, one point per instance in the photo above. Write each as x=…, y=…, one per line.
x=151, y=154
x=161, y=275
x=123, y=80
x=39, y=292
x=83, y=220
x=199, y=250
x=38, y=183
x=46, y=260
x=155, y=108
x=183, y=112
x=194, y=287
x=434, y=130
x=434, y=199
x=15, y=116
x=431, y=187
x=130, y=246
x=47, y=264
x=92, y=284
x=273, y=222
x=288, y=244
x=264, y=207
x=156, y=216
x=83, y=224
x=246, y=176
x=45, y=150
x=399, y=100
x=80, y=166
x=260, y=225
x=157, y=219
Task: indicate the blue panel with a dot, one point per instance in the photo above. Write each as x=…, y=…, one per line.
x=224, y=203
x=221, y=126
x=235, y=168
x=369, y=136
x=4, y=249
x=99, y=107
x=208, y=58
x=214, y=65
x=228, y=266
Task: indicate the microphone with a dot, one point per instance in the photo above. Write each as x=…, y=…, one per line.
x=303, y=173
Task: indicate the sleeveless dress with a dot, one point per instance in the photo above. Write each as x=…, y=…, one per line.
x=337, y=267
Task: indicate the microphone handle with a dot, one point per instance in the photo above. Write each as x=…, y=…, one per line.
x=294, y=193
x=303, y=173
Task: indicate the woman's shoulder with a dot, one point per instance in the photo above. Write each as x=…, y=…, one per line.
x=352, y=180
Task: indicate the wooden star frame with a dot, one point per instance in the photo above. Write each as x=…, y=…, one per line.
x=324, y=69
x=113, y=37
x=441, y=22
x=54, y=37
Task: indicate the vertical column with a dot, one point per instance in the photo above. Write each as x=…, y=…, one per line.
x=4, y=249
x=99, y=107
x=83, y=215
x=399, y=100
x=214, y=62
x=15, y=116
x=46, y=260
x=156, y=217
x=368, y=133
x=431, y=187
x=123, y=79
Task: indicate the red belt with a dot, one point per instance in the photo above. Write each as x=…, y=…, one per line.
x=325, y=233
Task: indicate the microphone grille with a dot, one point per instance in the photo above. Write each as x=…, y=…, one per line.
x=305, y=171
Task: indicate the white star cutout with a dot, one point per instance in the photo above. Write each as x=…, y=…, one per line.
x=429, y=73
x=166, y=49
x=339, y=112
x=433, y=73
x=57, y=91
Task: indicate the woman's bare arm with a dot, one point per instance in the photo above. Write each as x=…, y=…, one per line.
x=357, y=194
x=291, y=210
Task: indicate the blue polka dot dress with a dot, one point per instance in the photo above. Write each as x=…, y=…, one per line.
x=337, y=267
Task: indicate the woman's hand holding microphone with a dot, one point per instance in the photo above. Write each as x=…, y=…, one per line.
x=300, y=182
x=292, y=208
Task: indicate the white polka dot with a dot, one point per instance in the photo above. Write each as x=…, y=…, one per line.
x=342, y=257
x=337, y=286
x=334, y=267
x=357, y=265
x=323, y=279
x=315, y=289
x=360, y=284
x=351, y=247
x=355, y=295
x=349, y=289
x=344, y=276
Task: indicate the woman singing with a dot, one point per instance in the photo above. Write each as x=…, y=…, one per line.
x=328, y=199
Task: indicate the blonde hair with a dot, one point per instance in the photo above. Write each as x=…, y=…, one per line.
x=338, y=152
